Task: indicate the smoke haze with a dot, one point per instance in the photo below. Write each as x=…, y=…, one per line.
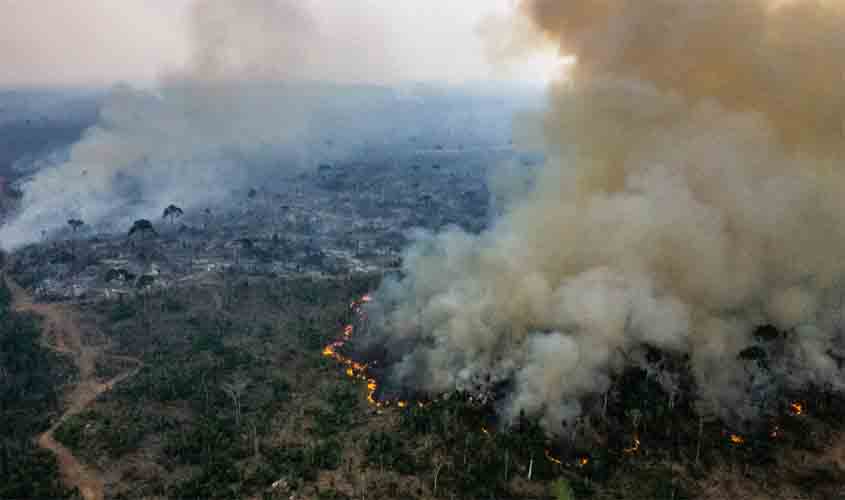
x=99, y=42
x=95, y=42
x=246, y=107
x=693, y=192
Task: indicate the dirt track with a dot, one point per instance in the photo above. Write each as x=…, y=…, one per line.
x=62, y=333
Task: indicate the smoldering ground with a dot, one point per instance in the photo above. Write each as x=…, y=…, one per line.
x=693, y=192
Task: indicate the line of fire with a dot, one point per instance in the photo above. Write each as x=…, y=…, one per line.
x=564, y=451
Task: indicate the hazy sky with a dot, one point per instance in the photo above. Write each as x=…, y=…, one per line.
x=102, y=41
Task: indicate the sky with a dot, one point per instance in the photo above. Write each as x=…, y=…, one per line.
x=100, y=42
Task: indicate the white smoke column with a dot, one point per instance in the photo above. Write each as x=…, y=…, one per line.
x=694, y=191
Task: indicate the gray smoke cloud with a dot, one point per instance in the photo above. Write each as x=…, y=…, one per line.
x=693, y=191
x=248, y=106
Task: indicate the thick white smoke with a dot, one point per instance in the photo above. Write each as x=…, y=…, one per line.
x=245, y=108
x=694, y=191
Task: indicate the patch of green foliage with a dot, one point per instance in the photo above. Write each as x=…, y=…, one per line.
x=331, y=495
x=112, y=435
x=656, y=482
x=5, y=298
x=122, y=311
x=210, y=440
x=387, y=450
x=29, y=472
x=561, y=490
x=219, y=478
x=481, y=463
x=342, y=403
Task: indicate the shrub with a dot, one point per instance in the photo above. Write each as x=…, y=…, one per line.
x=561, y=490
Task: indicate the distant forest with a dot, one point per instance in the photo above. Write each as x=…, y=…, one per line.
x=37, y=122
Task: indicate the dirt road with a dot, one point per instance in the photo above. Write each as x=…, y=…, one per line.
x=62, y=333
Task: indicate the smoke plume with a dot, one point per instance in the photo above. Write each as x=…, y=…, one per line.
x=693, y=192
x=245, y=108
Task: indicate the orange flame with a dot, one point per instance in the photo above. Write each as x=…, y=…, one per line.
x=796, y=408
x=372, y=387
x=737, y=439
x=552, y=459
x=356, y=370
x=580, y=462
x=636, y=447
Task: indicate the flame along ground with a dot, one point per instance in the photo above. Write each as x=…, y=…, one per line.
x=355, y=369
x=796, y=409
x=360, y=371
x=737, y=439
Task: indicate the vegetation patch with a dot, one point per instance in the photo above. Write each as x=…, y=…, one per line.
x=31, y=380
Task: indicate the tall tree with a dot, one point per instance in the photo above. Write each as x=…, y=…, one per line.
x=144, y=285
x=142, y=226
x=75, y=224
x=172, y=212
x=235, y=390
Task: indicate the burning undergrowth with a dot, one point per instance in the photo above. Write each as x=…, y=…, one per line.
x=636, y=421
x=369, y=371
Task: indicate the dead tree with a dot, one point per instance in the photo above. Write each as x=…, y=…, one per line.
x=706, y=410
x=235, y=390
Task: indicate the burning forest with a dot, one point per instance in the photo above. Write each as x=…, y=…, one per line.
x=593, y=443
x=688, y=224
x=334, y=281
